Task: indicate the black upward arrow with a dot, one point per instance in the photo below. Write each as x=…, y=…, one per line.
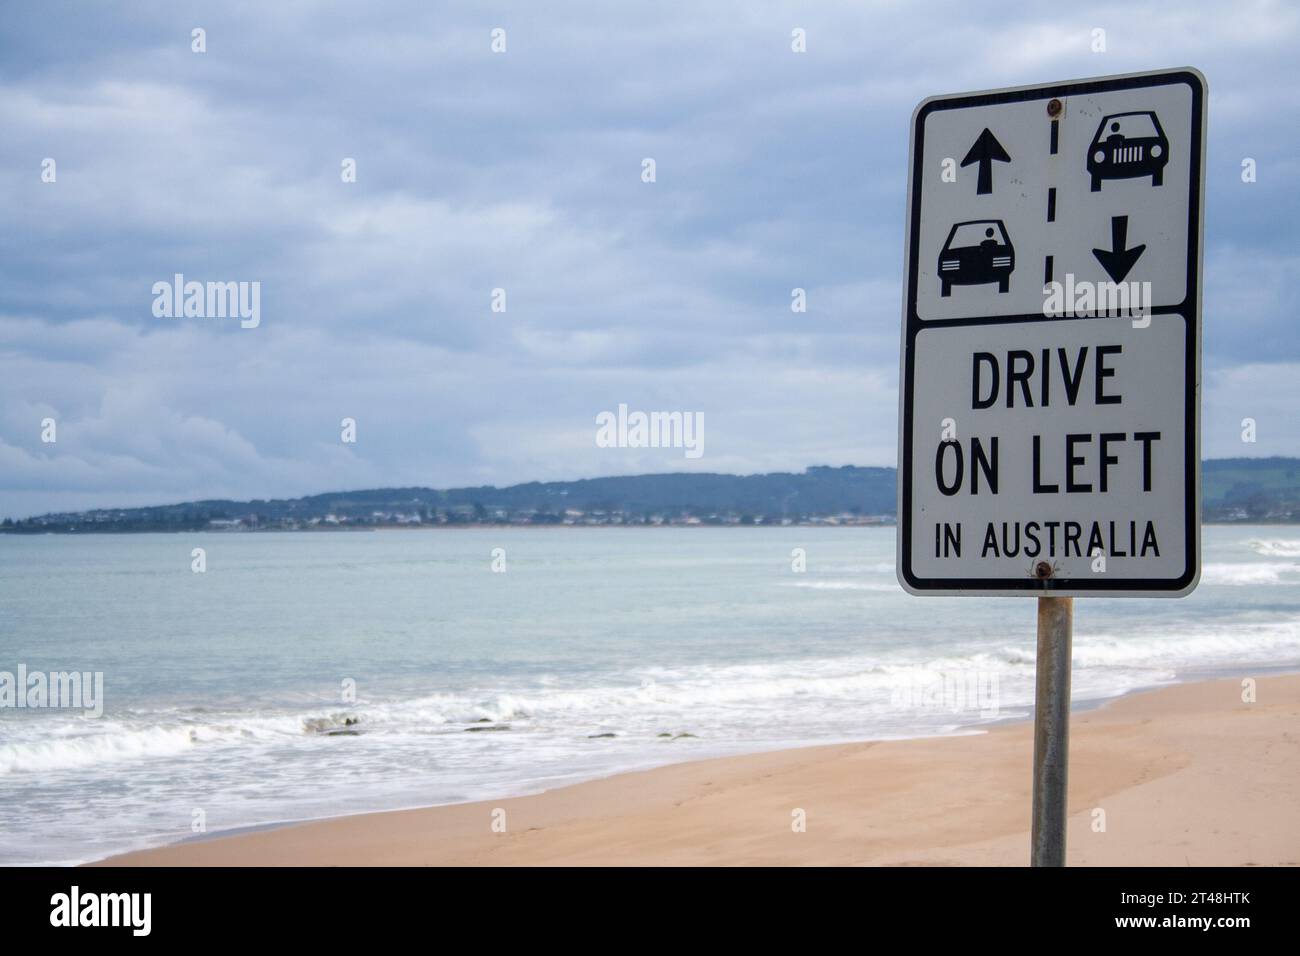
x=984, y=151
x=1118, y=260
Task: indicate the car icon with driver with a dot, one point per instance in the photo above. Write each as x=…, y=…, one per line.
x=977, y=252
x=1128, y=145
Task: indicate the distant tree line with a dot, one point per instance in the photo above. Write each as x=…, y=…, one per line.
x=1233, y=489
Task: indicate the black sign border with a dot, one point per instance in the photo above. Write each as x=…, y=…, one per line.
x=1189, y=309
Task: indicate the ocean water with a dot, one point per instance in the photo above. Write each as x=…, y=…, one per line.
x=224, y=692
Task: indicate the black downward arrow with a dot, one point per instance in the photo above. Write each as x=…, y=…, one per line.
x=1118, y=260
x=984, y=151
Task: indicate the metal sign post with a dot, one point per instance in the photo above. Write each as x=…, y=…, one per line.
x=1052, y=730
x=1049, y=401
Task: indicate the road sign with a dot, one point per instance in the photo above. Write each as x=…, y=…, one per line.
x=1049, y=438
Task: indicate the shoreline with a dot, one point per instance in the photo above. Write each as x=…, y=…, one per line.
x=944, y=793
x=887, y=522
x=1194, y=675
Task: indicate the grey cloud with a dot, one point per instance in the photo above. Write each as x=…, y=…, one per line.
x=522, y=171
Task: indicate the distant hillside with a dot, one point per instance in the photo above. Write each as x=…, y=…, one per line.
x=1238, y=489
x=1234, y=489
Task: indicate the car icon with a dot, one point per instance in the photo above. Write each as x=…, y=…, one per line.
x=1128, y=145
x=977, y=252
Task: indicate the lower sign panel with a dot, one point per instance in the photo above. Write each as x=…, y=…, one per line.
x=1059, y=442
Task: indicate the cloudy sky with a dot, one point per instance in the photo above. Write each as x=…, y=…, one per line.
x=522, y=170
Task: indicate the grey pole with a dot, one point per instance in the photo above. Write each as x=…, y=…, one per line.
x=1052, y=730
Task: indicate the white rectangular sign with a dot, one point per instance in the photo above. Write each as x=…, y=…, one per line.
x=1050, y=400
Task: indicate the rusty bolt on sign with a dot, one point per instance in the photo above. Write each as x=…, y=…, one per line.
x=1042, y=570
x=1054, y=108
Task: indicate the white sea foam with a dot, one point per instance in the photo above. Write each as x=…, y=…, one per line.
x=1275, y=547
x=845, y=585
x=1240, y=644
x=1252, y=573
x=739, y=701
x=89, y=749
x=65, y=745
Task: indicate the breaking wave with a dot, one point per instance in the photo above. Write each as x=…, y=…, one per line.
x=1242, y=575
x=1276, y=547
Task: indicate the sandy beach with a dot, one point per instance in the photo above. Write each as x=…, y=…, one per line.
x=1184, y=775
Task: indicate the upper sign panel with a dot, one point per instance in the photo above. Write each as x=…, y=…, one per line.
x=1079, y=184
